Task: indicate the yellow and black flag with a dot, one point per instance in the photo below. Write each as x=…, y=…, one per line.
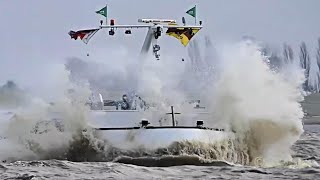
x=183, y=34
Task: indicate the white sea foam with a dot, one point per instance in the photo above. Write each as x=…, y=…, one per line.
x=262, y=106
x=259, y=104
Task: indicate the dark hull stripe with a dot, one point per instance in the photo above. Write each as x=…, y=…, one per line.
x=161, y=127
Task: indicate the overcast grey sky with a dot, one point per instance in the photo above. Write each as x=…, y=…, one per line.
x=35, y=31
x=35, y=27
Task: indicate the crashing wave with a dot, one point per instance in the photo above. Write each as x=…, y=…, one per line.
x=259, y=104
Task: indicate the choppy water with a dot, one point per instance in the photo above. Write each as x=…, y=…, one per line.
x=261, y=105
x=306, y=153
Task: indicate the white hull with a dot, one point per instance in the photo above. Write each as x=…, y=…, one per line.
x=121, y=129
x=110, y=126
x=153, y=139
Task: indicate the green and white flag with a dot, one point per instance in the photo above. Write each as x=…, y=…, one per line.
x=103, y=11
x=192, y=12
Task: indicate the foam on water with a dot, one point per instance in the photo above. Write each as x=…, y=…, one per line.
x=29, y=131
x=260, y=105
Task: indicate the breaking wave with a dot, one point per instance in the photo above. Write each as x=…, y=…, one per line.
x=41, y=130
x=259, y=104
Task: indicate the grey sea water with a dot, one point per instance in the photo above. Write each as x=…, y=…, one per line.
x=305, y=151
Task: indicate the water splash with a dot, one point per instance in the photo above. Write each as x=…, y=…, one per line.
x=259, y=104
x=41, y=130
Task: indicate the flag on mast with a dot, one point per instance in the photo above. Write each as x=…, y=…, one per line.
x=182, y=34
x=192, y=12
x=103, y=11
x=84, y=35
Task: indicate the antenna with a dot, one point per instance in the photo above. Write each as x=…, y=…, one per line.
x=106, y=14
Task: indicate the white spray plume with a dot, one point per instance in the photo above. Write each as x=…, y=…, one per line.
x=259, y=104
x=29, y=132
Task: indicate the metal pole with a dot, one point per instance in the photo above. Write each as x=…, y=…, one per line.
x=147, y=42
x=173, y=121
x=195, y=15
x=106, y=14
